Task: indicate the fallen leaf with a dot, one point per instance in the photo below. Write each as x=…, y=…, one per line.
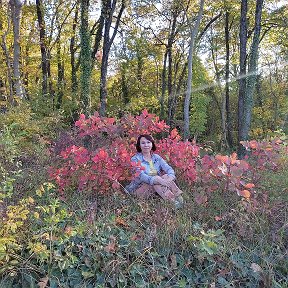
x=249, y=185
x=245, y=193
x=135, y=237
x=120, y=221
x=253, y=144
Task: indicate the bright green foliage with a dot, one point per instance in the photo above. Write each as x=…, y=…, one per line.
x=207, y=243
x=270, y=112
x=10, y=166
x=137, y=84
x=25, y=126
x=199, y=113
x=200, y=100
x=12, y=232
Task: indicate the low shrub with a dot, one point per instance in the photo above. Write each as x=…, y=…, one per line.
x=101, y=162
x=125, y=247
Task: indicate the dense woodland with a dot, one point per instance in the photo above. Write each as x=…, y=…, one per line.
x=214, y=69
x=80, y=80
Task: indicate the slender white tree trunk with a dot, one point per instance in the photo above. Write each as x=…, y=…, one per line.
x=16, y=6
x=194, y=31
x=7, y=58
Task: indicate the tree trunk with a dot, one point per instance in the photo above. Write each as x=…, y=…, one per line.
x=26, y=73
x=45, y=62
x=177, y=93
x=109, y=9
x=169, y=84
x=74, y=81
x=242, y=75
x=163, y=86
x=193, y=31
x=252, y=72
x=98, y=37
x=229, y=136
x=60, y=78
x=170, y=62
x=7, y=60
x=224, y=143
x=103, y=78
x=140, y=66
x=171, y=39
x=251, y=80
x=85, y=59
x=124, y=86
x=16, y=14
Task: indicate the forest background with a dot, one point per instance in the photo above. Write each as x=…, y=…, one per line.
x=214, y=71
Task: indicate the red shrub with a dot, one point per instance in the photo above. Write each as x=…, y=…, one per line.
x=105, y=160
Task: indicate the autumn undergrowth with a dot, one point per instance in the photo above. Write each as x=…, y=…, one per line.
x=232, y=231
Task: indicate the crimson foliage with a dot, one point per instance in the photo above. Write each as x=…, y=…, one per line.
x=105, y=160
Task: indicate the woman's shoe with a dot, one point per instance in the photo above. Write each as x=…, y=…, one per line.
x=179, y=202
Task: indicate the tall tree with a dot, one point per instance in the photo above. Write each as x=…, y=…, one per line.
x=74, y=81
x=108, y=11
x=16, y=14
x=60, y=68
x=85, y=57
x=6, y=53
x=247, y=82
x=193, y=34
x=242, y=75
x=228, y=124
x=45, y=54
x=173, y=31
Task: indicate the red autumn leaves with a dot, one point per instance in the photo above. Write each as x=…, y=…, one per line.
x=107, y=162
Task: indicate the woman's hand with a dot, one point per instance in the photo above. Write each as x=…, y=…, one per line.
x=165, y=181
x=167, y=177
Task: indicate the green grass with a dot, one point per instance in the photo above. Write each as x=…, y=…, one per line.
x=117, y=240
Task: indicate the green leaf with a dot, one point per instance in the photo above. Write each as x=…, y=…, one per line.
x=87, y=274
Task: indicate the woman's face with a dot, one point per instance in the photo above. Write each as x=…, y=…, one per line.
x=145, y=145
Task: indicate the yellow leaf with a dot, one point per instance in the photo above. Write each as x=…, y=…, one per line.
x=30, y=200
x=245, y=193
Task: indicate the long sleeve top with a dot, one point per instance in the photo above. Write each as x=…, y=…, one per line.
x=148, y=175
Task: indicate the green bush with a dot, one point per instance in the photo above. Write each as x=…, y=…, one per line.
x=55, y=242
x=28, y=127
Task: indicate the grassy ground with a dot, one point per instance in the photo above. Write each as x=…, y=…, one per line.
x=86, y=240
x=120, y=241
x=136, y=243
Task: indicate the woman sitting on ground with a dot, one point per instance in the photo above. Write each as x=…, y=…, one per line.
x=158, y=176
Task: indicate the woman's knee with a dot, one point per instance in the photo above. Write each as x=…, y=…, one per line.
x=144, y=191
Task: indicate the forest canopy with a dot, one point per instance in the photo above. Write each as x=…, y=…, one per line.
x=214, y=69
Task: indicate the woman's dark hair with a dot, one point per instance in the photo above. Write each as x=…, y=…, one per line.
x=149, y=138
